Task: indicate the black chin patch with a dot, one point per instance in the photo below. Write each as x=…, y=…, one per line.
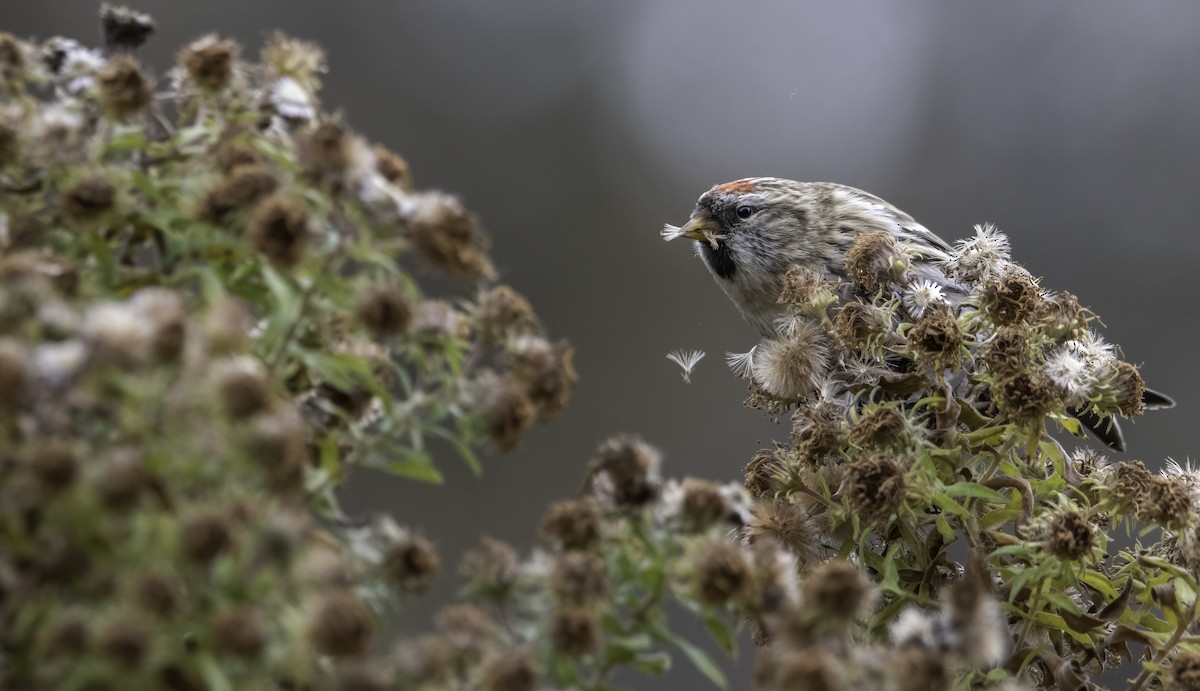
x=719, y=259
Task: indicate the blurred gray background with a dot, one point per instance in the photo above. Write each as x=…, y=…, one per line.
x=577, y=128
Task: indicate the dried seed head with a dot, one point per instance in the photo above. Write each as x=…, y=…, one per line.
x=125, y=641
x=340, y=625
x=858, y=326
x=279, y=443
x=205, y=537
x=937, y=339
x=721, y=574
x=66, y=638
x=124, y=30
x=503, y=313
x=1071, y=374
x=625, y=472
x=1069, y=535
x=504, y=408
x=121, y=480
x=384, y=311
x=1128, y=484
x=53, y=463
x=1027, y=397
x=124, y=90
x=393, y=168
x=579, y=578
x=437, y=321
x=703, y=504
x=325, y=152
x=13, y=377
x=801, y=667
x=1184, y=671
x=548, y=371
x=882, y=427
x=242, y=387
x=423, y=660
x=449, y=236
x=874, y=487
x=411, y=563
x=10, y=138
x=362, y=678
x=243, y=186
x=1061, y=318
x=491, y=568
x=226, y=326
x=875, y=260
x=166, y=318
x=1168, y=503
x=786, y=524
x=24, y=230
x=980, y=258
x=234, y=152
x=511, y=672
x=1010, y=299
x=819, y=431
x=762, y=473
x=572, y=524
x=917, y=668
x=209, y=62
x=89, y=199
x=12, y=60
x=922, y=295
x=788, y=369
x=1007, y=354
x=576, y=631
x=836, y=592
x=239, y=631
x=1119, y=389
x=156, y=594
x=279, y=230
x=290, y=57
x=467, y=628
x=810, y=291
x=983, y=636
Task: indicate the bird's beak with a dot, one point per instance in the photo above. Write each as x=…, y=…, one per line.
x=697, y=228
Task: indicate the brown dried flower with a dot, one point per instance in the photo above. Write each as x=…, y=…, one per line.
x=412, y=563
x=1010, y=299
x=721, y=574
x=384, y=311
x=579, y=578
x=874, y=487
x=450, y=237
x=393, y=168
x=340, y=625
x=89, y=199
x=875, y=260
x=279, y=229
x=573, y=524
x=209, y=62
x=124, y=89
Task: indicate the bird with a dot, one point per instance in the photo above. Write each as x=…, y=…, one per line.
x=751, y=232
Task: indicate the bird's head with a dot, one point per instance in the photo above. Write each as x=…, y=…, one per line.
x=748, y=232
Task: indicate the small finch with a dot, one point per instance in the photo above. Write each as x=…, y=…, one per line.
x=751, y=233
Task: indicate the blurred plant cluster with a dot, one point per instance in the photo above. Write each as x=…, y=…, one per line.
x=209, y=317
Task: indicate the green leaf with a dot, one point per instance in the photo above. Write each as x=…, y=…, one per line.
x=976, y=490
x=415, y=466
x=721, y=633
x=653, y=663
x=698, y=657
x=947, y=504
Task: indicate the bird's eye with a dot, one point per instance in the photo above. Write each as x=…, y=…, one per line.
x=745, y=211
